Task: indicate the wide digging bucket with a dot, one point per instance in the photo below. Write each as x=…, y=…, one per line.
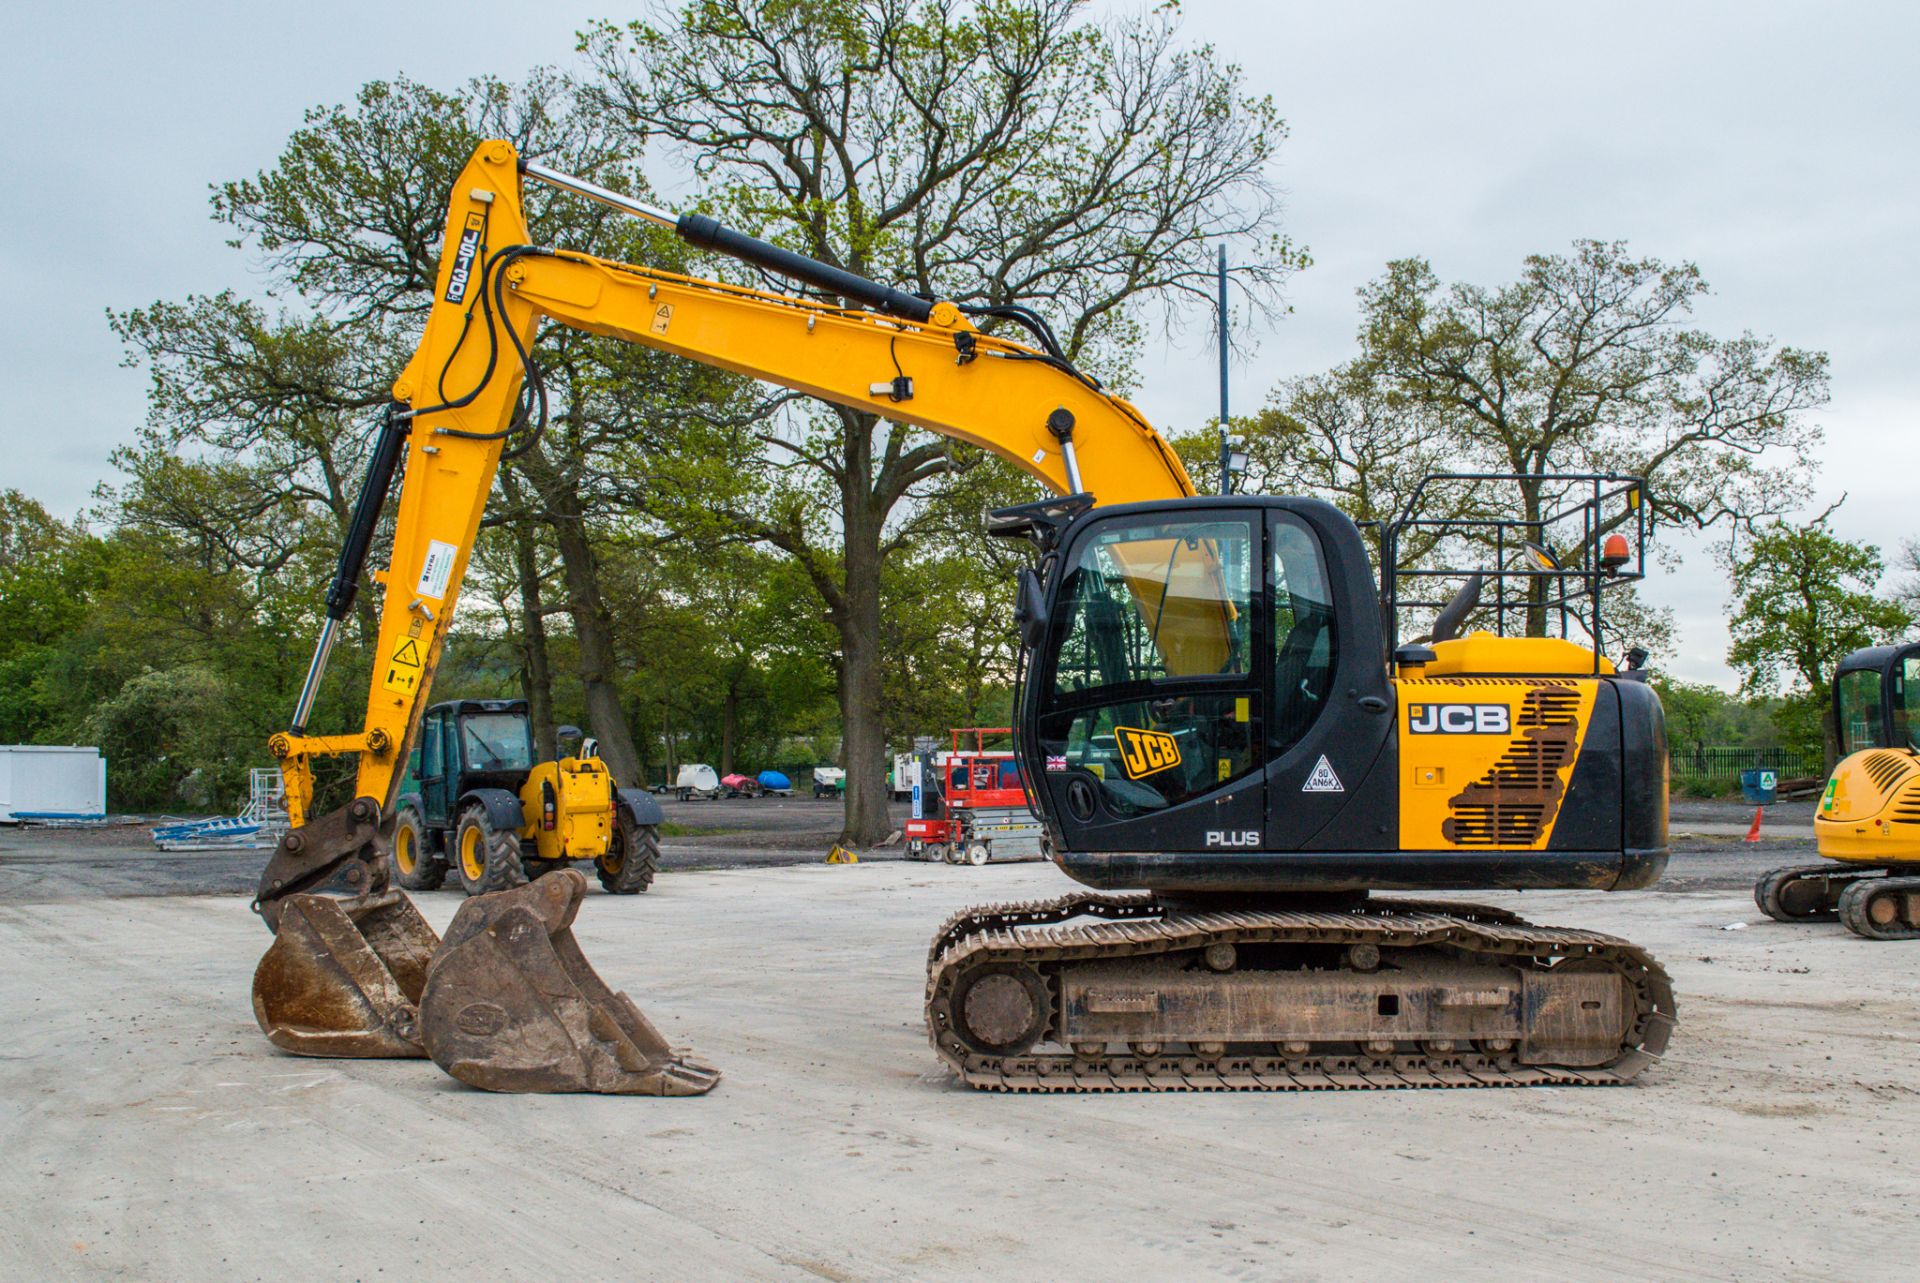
x=512, y=1005
x=344, y=977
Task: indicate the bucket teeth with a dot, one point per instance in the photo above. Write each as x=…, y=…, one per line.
x=344, y=977
x=512, y=1005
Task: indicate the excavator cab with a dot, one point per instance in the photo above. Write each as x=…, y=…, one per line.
x=1214, y=709
x=1876, y=699
x=1867, y=822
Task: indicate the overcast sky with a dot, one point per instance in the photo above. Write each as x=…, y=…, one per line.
x=1774, y=145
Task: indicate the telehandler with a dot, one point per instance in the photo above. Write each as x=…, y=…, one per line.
x=1214, y=707
x=1867, y=825
x=476, y=804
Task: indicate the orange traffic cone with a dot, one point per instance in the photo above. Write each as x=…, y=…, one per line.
x=1753, y=833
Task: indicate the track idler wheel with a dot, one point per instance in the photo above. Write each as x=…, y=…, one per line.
x=344, y=977
x=1003, y=1009
x=512, y=1005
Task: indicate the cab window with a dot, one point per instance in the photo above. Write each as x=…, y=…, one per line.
x=496, y=742
x=1858, y=694
x=430, y=749
x=1906, y=701
x=1154, y=693
x=1157, y=600
x=1303, y=635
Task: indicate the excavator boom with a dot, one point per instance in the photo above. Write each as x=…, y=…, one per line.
x=349, y=977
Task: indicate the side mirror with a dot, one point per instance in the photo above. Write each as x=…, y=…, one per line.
x=1030, y=610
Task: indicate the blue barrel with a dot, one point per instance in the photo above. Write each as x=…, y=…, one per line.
x=1759, y=786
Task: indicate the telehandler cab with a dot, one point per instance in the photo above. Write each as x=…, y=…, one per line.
x=476, y=804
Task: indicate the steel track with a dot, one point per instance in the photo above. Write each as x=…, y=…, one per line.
x=1135, y=926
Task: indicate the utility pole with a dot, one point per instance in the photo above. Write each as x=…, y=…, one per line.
x=1226, y=468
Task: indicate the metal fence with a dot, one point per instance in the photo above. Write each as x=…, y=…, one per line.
x=1718, y=762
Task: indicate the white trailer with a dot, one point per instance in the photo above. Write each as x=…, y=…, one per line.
x=51, y=782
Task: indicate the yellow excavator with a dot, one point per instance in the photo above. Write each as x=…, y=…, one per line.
x=1867, y=824
x=1220, y=736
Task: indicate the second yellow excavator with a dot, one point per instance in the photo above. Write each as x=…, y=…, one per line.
x=1224, y=736
x=1867, y=824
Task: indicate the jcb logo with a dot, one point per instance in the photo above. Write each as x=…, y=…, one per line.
x=1459, y=719
x=1144, y=753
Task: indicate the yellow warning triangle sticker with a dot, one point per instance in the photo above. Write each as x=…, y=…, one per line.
x=408, y=655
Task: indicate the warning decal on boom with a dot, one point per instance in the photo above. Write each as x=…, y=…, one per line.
x=403, y=667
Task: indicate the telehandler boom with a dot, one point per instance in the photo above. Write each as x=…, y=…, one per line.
x=1210, y=710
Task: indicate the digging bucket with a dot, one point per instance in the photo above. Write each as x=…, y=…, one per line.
x=512, y=1005
x=344, y=977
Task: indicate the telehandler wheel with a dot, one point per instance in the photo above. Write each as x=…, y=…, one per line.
x=632, y=858
x=486, y=858
x=416, y=865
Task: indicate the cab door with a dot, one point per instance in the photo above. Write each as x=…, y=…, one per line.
x=436, y=798
x=1153, y=689
x=1903, y=698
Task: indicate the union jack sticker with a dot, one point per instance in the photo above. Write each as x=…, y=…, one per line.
x=1057, y=763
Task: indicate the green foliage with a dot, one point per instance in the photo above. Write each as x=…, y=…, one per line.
x=1804, y=599
x=47, y=569
x=167, y=735
x=1585, y=363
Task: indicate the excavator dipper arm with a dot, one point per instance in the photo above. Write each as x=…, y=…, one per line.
x=458, y=407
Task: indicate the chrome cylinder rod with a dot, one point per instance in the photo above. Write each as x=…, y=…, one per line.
x=1073, y=466
x=595, y=192
x=315, y=671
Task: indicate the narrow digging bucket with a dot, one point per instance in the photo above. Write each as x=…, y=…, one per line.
x=344, y=977
x=512, y=1005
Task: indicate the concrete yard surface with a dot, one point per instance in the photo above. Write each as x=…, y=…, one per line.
x=150, y=1132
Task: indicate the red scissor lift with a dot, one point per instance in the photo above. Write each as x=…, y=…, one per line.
x=972, y=804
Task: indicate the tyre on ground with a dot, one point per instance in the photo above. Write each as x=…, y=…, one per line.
x=632, y=858
x=416, y=865
x=486, y=858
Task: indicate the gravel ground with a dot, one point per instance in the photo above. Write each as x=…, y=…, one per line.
x=151, y=1133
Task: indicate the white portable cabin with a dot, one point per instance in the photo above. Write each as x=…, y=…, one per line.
x=51, y=782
